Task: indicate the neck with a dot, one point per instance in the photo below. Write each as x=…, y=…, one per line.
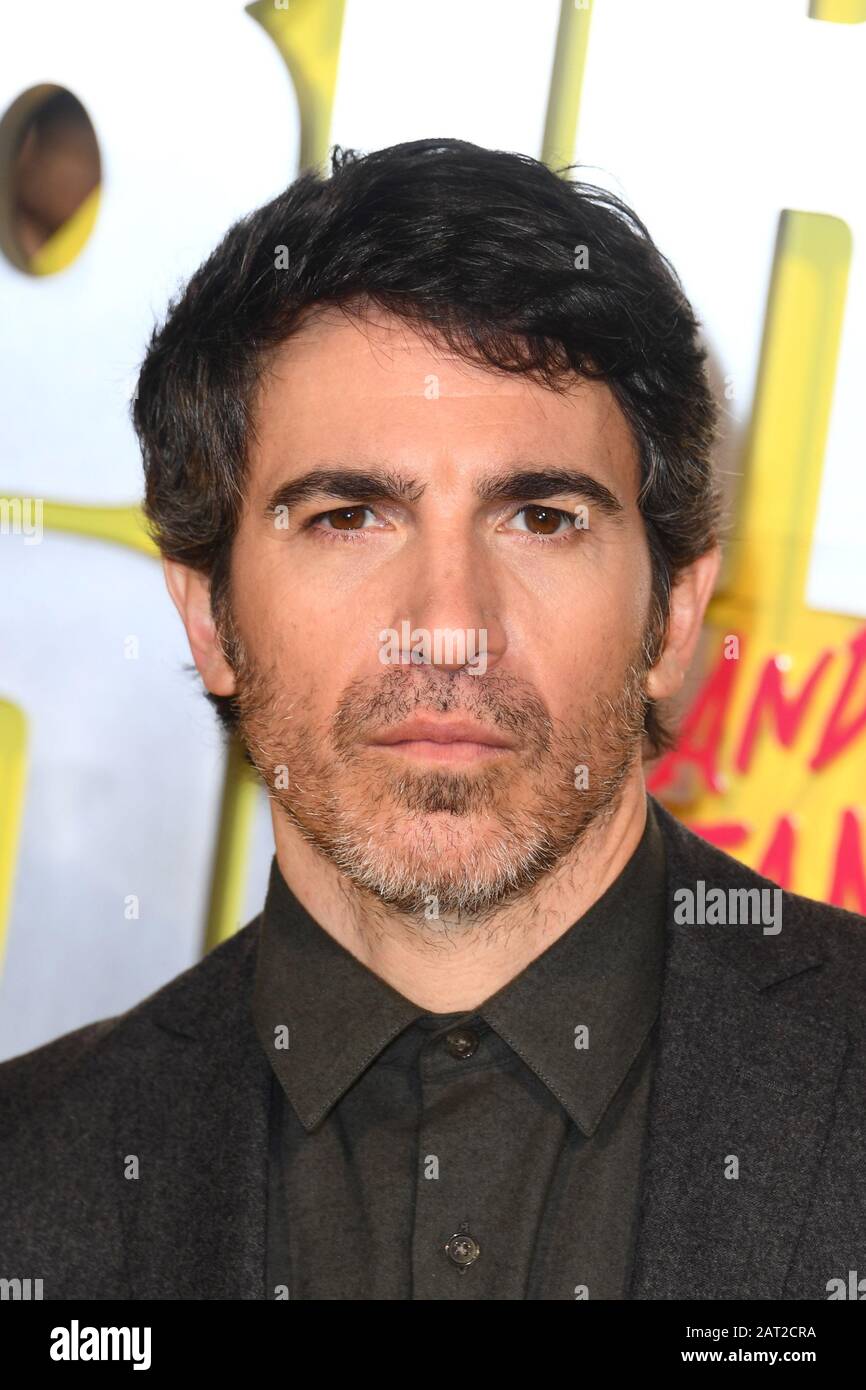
x=453, y=971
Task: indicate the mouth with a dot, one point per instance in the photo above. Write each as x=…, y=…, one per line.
x=443, y=741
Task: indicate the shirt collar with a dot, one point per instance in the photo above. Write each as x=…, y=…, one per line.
x=578, y=1014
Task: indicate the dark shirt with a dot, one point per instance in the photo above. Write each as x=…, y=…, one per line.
x=490, y=1154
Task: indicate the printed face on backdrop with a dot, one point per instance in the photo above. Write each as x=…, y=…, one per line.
x=440, y=628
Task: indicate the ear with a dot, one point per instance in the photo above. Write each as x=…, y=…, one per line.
x=190, y=591
x=689, y=598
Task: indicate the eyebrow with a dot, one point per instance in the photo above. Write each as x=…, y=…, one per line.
x=364, y=485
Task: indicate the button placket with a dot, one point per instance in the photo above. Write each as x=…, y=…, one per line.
x=448, y=1248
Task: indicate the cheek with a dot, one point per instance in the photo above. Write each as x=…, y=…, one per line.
x=615, y=598
x=594, y=618
x=307, y=646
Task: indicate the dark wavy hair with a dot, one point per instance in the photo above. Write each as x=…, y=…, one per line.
x=516, y=267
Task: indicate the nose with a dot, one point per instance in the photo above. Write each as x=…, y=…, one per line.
x=452, y=611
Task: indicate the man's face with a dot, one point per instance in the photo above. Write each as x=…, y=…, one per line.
x=547, y=580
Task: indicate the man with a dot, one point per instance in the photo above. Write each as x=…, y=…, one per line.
x=427, y=452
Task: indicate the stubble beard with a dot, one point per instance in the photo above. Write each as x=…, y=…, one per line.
x=435, y=844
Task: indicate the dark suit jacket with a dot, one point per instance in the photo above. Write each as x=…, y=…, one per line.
x=761, y=1056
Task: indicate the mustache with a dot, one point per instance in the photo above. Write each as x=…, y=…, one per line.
x=503, y=701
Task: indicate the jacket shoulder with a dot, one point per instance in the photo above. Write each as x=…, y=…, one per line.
x=63, y=1192
x=811, y=933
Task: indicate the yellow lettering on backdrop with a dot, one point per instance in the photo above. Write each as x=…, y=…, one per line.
x=772, y=752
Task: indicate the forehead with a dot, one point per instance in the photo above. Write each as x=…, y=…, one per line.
x=377, y=390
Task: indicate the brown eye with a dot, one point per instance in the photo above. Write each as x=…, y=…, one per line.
x=346, y=519
x=543, y=521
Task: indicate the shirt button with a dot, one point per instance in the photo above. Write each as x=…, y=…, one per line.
x=462, y=1250
x=461, y=1042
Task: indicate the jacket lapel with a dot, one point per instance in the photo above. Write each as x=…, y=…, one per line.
x=196, y=1117
x=742, y=1082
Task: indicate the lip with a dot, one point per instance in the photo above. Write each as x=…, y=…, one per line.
x=443, y=731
